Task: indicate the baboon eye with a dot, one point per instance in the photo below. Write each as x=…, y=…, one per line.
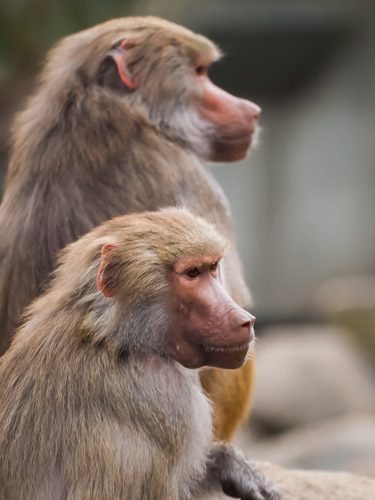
x=193, y=272
x=214, y=266
x=200, y=70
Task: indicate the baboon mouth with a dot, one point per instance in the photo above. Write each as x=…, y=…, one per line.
x=238, y=143
x=238, y=138
x=229, y=348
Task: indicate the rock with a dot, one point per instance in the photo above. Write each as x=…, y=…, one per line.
x=347, y=292
x=346, y=443
x=318, y=485
x=314, y=485
x=350, y=301
x=306, y=374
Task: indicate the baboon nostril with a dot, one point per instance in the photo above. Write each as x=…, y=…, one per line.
x=246, y=325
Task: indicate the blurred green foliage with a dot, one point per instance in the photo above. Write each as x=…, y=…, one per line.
x=28, y=28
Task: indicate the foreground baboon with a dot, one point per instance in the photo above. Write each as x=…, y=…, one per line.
x=99, y=397
x=122, y=114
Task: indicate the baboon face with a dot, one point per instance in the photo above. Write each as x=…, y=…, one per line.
x=208, y=328
x=163, y=70
x=173, y=258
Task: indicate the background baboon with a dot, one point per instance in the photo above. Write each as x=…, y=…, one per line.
x=96, y=400
x=121, y=117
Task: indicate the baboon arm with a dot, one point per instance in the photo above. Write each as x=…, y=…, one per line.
x=229, y=471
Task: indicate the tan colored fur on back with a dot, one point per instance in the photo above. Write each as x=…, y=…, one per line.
x=84, y=152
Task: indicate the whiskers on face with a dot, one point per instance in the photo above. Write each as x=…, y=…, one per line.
x=256, y=140
x=251, y=352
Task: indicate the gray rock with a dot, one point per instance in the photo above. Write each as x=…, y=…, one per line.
x=305, y=374
x=350, y=302
x=346, y=443
x=319, y=485
x=347, y=292
x=314, y=485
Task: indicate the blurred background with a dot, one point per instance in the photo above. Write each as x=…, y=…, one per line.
x=303, y=203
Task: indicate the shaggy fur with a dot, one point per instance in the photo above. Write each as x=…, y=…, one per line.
x=87, y=149
x=91, y=404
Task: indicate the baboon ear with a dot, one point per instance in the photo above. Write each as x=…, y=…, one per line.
x=113, y=71
x=104, y=284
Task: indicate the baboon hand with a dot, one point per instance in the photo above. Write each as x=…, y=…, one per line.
x=238, y=477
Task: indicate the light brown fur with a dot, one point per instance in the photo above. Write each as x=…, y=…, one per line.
x=84, y=151
x=228, y=389
x=92, y=405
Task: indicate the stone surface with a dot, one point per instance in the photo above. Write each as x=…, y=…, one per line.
x=346, y=443
x=347, y=292
x=319, y=485
x=305, y=374
x=314, y=485
x=350, y=302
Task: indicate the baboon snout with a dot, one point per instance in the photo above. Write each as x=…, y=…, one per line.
x=242, y=323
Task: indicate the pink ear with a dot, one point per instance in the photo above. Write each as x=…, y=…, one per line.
x=103, y=287
x=120, y=59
